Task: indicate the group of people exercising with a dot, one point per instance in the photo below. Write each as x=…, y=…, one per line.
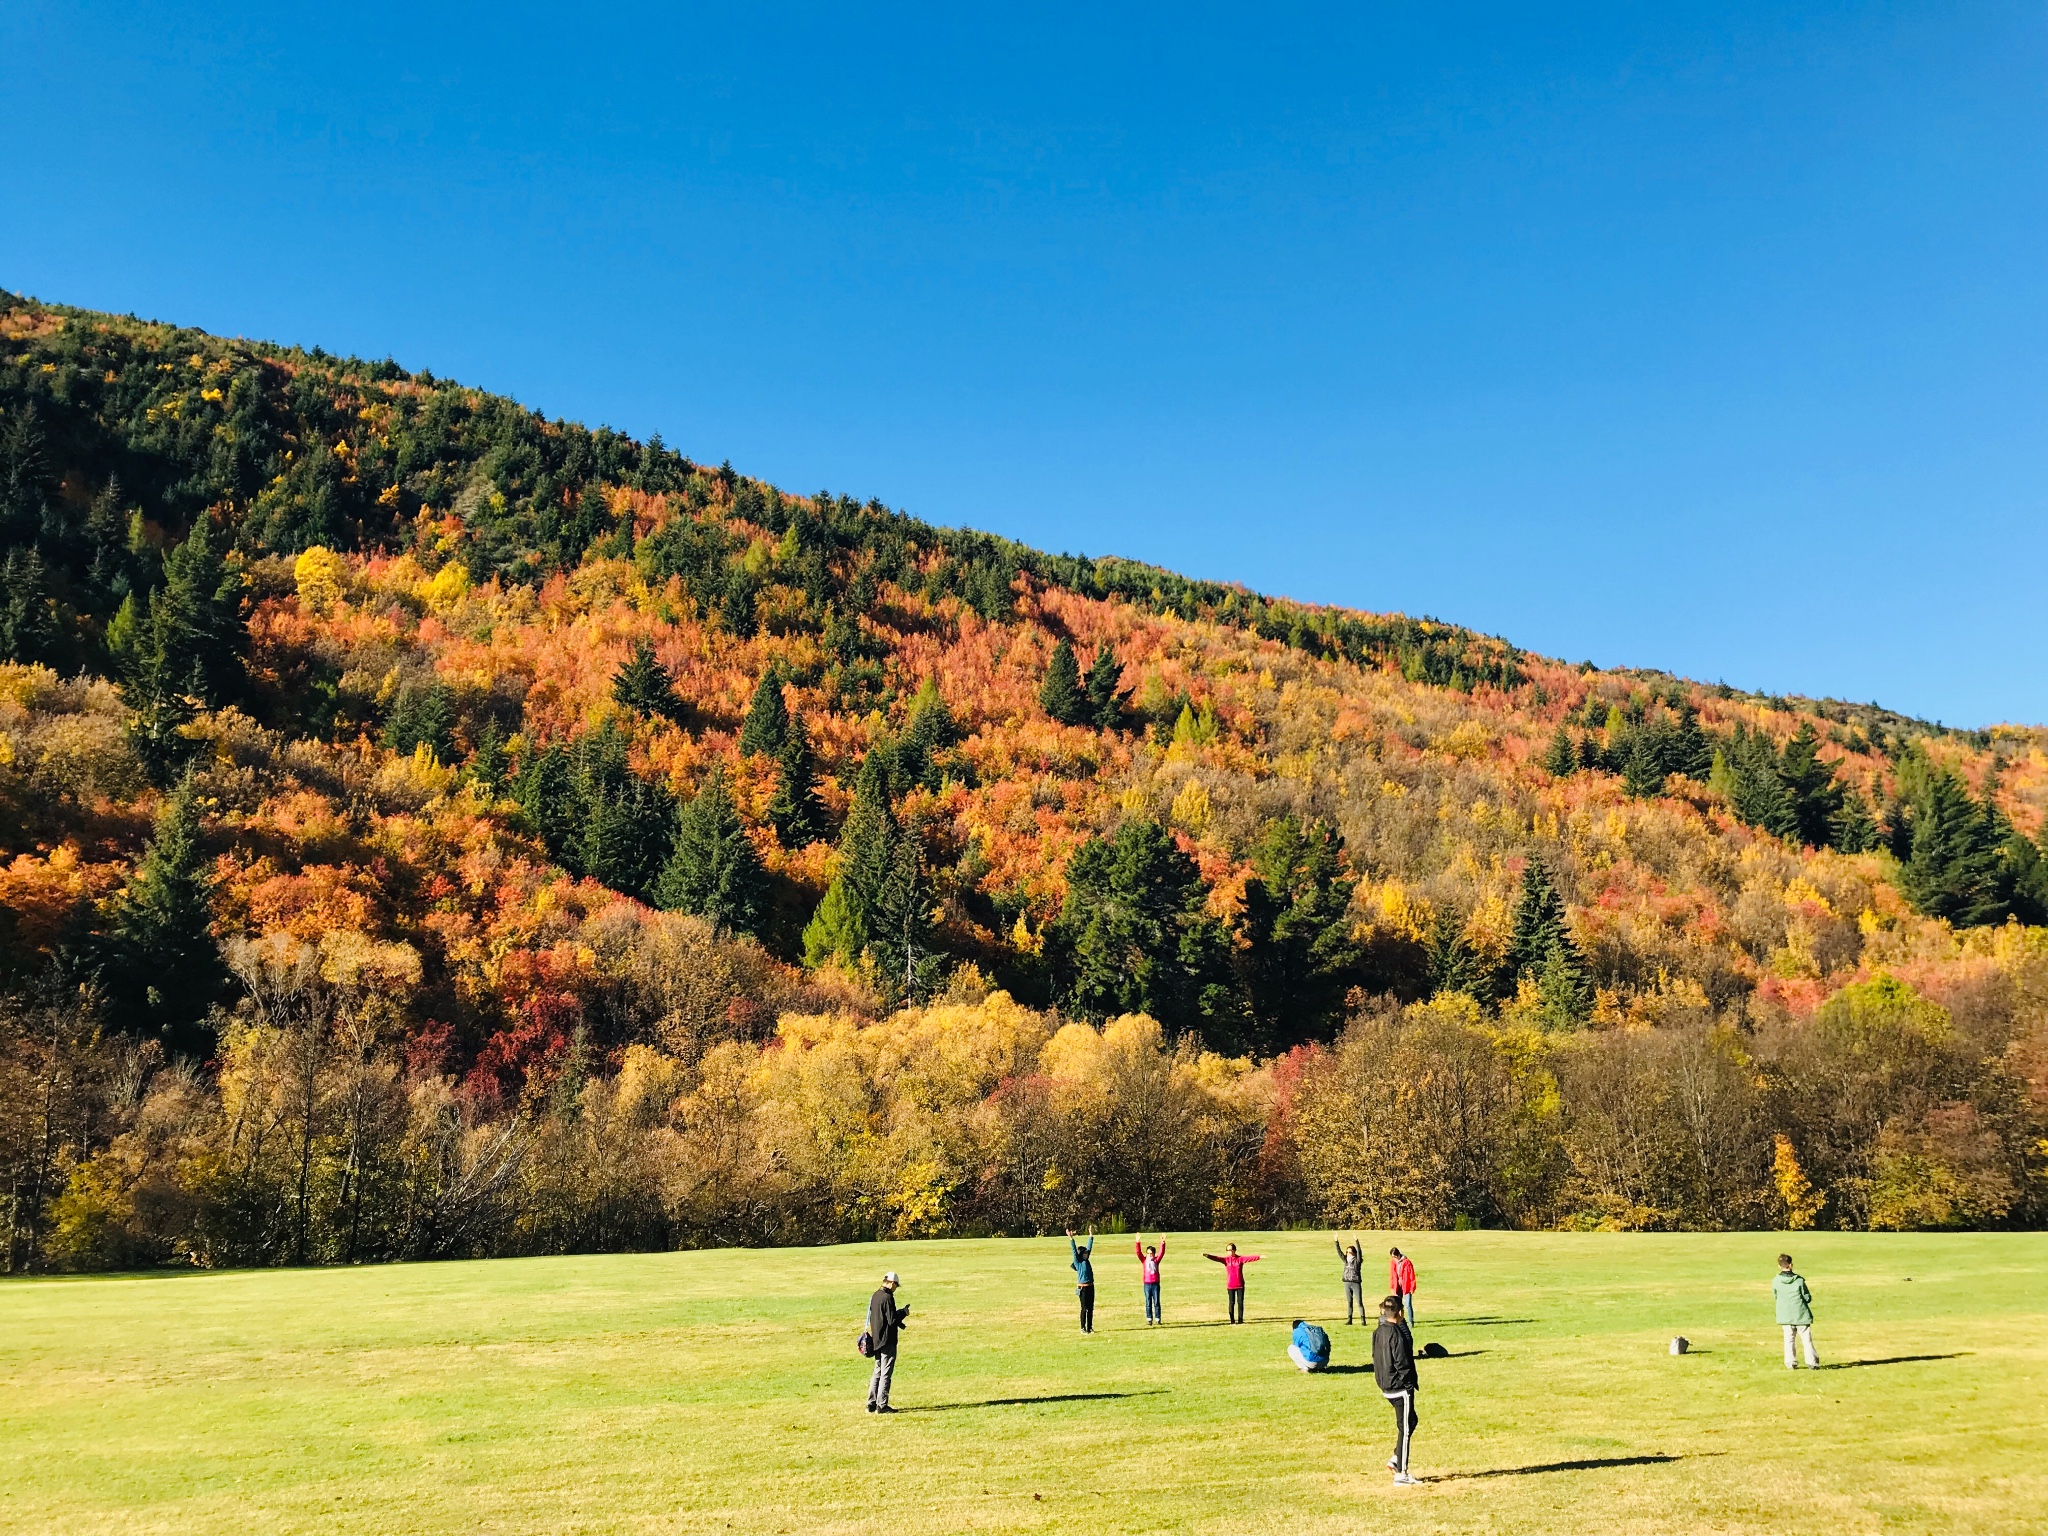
x=1393, y=1343
x=1400, y=1279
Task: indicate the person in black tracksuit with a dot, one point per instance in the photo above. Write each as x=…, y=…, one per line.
x=1393, y=1370
x=885, y=1321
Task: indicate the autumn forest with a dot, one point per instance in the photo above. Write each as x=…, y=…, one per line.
x=432, y=829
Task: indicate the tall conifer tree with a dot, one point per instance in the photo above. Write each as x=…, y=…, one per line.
x=1561, y=759
x=643, y=684
x=167, y=966
x=1105, y=689
x=1061, y=692
x=714, y=871
x=1541, y=945
x=795, y=811
x=767, y=722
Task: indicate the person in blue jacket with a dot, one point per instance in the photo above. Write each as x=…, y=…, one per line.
x=1311, y=1347
x=1084, y=1277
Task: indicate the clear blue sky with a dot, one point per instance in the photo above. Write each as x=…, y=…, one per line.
x=1708, y=338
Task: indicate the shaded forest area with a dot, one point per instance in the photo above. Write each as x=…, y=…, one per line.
x=430, y=828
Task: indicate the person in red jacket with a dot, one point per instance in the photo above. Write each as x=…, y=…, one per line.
x=1401, y=1281
x=1233, y=1277
x=1148, y=1272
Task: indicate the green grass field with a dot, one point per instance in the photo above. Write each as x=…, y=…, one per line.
x=720, y=1392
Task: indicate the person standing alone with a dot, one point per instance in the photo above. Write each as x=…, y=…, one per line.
x=1084, y=1277
x=1393, y=1372
x=885, y=1322
x=1401, y=1281
x=1148, y=1271
x=1354, y=1280
x=1795, y=1313
x=1233, y=1277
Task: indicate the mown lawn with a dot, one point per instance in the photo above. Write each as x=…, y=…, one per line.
x=720, y=1392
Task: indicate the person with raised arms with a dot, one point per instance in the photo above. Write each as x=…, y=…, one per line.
x=1353, y=1259
x=1148, y=1272
x=1233, y=1264
x=1084, y=1277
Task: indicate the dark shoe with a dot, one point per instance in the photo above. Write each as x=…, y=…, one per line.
x=885, y=1409
x=871, y=1407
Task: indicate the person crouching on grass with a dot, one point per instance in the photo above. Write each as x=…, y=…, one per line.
x=1233, y=1277
x=885, y=1321
x=1084, y=1277
x=1148, y=1271
x=1795, y=1313
x=1393, y=1371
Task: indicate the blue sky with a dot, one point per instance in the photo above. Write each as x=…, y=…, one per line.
x=1709, y=338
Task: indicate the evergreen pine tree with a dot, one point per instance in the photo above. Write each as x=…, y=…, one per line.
x=1957, y=870
x=1299, y=958
x=1454, y=965
x=29, y=627
x=1811, y=793
x=1688, y=750
x=1061, y=693
x=795, y=811
x=931, y=731
x=1755, y=788
x=1642, y=772
x=628, y=834
x=714, y=871
x=488, y=764
x=549, y=803
x=767, y=722
x=179, y=650
x=843, y=925
x=1561, y=759
x=1540, y=945
x=166, y=966
x=153, y=686
x=422, y=714
x=1134, y=937
x=1105, y=689
x=899, y=926
x=202, y=603
x=642, y=684
x=1854, y=829
x=834, y=931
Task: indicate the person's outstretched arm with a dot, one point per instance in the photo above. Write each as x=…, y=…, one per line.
x=1213, y=1258
x=1334, y=1243
x=1249, y=1258
x=1138, y=1247
x=1162, y=1250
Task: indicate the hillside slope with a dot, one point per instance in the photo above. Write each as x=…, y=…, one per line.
x=469, y=769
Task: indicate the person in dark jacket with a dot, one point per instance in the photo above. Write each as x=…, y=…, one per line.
x=1084, y=1277
x=885, y=1323
x=1354, y=1279
x=1393, y=1371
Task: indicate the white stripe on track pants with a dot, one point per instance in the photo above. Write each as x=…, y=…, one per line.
x=1405, y=1420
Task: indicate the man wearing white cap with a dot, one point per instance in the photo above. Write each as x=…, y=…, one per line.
x=885, y=1321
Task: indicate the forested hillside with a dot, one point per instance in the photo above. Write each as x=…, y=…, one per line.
x=430, y=828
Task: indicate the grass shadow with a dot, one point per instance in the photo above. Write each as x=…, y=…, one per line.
x=1857, y=1365
x=1589, y=1464
x=1476, y=1322
x=1025, y=1402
